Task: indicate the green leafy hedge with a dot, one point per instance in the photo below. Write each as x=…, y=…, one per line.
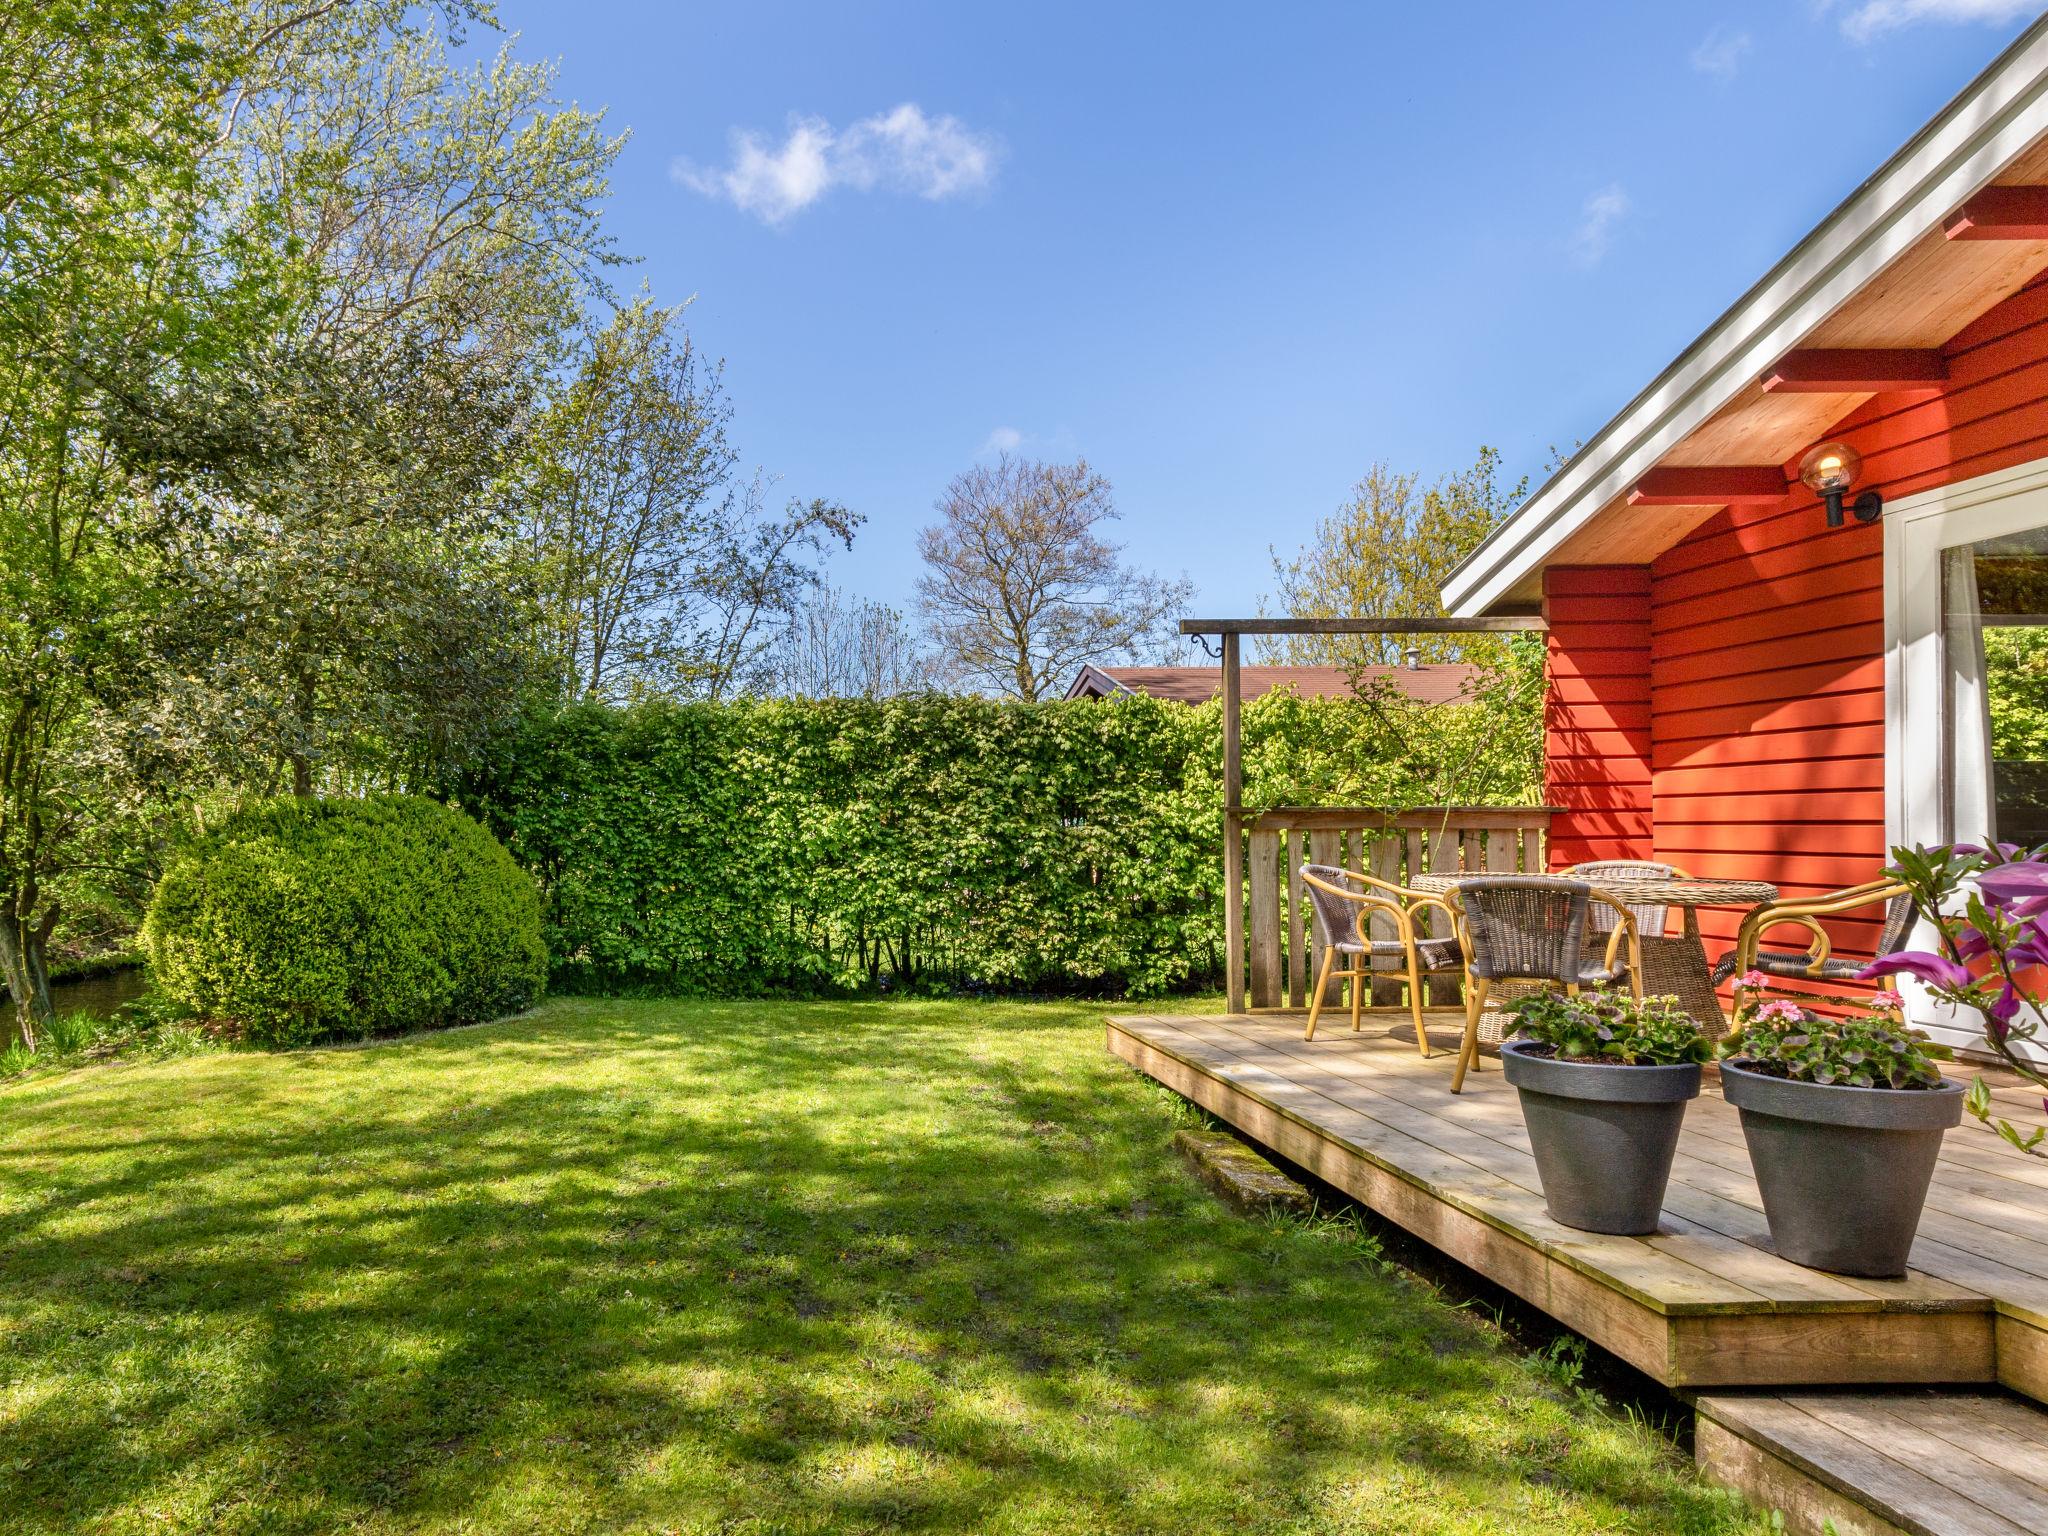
x=942, y=842
x=305, y=920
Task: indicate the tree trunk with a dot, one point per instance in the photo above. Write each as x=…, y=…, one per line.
x=28, y=985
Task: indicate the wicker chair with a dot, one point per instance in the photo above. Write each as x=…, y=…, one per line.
x=1345, y=903
x=1533, y=928
x=1817, y=961
x=1650, y=920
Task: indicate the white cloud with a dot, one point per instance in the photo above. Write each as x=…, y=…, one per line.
x=1720, y=53
x=1604, y=209
x=900, y=151
x=1873, y=17
x=1002, y=440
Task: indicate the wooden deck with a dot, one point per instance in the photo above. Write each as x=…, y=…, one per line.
x=1705, y=1302
x=1883, y=1464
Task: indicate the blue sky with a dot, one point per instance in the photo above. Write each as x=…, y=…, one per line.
x=1232, y=254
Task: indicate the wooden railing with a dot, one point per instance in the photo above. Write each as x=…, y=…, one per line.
x=1286, y=946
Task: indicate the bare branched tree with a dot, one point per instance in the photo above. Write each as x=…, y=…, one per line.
x=843, y=647
x=749, y=585
x=1020, y=588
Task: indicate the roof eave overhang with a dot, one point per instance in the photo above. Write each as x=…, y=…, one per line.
x=1961, y=150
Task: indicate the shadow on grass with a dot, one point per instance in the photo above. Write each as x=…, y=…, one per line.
x=725, y=1267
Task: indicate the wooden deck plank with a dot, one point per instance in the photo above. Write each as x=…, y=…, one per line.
x=1945, y=1459
x=1878, y=1462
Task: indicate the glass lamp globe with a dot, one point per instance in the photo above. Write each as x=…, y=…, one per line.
x=1830, y=468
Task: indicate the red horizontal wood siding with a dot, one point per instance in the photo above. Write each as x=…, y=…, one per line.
x=1756, y=647
x=1598, y=716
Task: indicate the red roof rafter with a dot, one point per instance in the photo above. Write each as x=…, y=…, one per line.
x=2001, y=213
x=1821, y=371
x=1709, y=485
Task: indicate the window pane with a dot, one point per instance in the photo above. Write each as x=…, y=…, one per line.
x=1995, y=638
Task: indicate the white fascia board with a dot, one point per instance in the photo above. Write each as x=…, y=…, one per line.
x=2003, y=111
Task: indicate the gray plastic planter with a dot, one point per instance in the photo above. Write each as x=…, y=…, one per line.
x=1843, y=1171
x=1603, y=1135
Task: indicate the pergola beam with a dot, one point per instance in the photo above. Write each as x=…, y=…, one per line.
x=1850, y=371
x=1499, y=624
x=2001, y=213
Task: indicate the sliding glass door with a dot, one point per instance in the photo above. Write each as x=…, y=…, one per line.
x=1994, y=641
x=1966, y=686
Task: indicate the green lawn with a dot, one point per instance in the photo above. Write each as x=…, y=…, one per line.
x=728, y=1268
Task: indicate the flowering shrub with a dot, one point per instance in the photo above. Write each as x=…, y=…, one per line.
x=1990, y=908
x=1877, y=1049
x=1612, y=1027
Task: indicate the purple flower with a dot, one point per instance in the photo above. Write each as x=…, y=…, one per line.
x=1938, y=970
x=2030, y=950
x=2005, y=883
x=2005, y=1007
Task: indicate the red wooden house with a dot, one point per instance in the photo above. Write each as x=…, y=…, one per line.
x=1748, y=682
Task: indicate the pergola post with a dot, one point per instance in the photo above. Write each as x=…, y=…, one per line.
x=1233, y=835
x=1228, y=631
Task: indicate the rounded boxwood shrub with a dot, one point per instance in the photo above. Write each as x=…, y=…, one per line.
x=304, y=920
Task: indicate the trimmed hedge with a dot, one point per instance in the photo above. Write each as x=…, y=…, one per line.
x=305, y=920
x=933, y=842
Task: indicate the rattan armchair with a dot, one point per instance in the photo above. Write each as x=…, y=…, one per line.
x=1533, y=928
x=1345, y=903
x=1650, y=920
x=1817, y=962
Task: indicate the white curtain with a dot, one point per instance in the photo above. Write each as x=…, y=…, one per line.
x=1972, y=811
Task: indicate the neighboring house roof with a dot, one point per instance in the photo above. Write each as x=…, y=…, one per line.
x=1441, y=683
x=1896, y=268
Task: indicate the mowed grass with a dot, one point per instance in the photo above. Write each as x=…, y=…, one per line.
x=649, y=1266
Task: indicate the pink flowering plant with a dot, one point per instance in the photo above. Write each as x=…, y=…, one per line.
x=1870, y=1047
x=1989, y=905
x=1613, y=1028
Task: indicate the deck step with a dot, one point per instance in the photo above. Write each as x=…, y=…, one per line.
x=1924, y=1462
x=1239, y=1176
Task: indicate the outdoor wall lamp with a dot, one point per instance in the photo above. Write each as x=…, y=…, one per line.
x=1829, y=470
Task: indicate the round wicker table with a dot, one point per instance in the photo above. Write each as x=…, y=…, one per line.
x=1674, y=964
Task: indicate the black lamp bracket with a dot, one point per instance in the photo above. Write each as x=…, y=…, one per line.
x=1868, y=507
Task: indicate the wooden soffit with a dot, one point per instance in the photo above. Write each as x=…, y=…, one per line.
x=1930, y=242
x=1911, y=309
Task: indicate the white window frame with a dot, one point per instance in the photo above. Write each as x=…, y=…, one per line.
x=1916, y=529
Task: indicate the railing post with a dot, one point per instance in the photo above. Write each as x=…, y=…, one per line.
x=1233, y=839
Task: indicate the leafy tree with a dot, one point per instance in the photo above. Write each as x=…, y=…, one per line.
x=1020, y=588
x=2016, y=682
x=350, y=605
x=111, y=296
x=628, y=503
x=220, y=229
x=1386, y=553
x=350, y=610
